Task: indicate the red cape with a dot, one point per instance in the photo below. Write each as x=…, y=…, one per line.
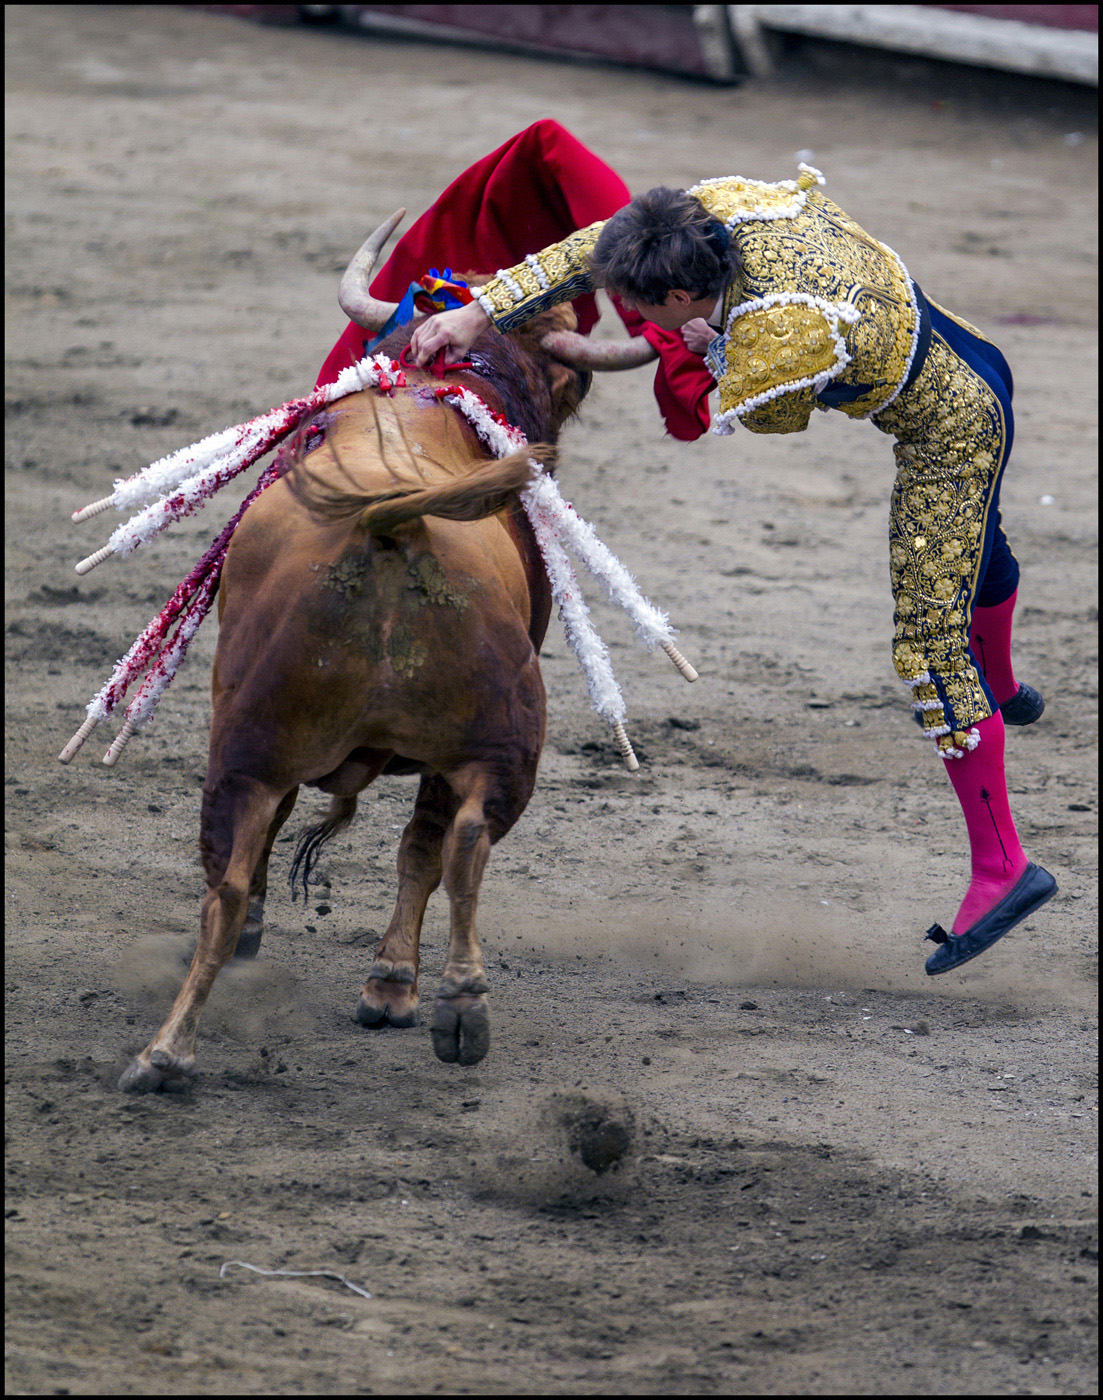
x=534, y=190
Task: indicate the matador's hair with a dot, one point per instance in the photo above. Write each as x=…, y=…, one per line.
x=664, y=239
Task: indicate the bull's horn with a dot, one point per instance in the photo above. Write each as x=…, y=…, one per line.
x=582, y=353
x=357, y=302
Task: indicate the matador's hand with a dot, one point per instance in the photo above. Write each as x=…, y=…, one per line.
x=454, y=332
x=698, y=336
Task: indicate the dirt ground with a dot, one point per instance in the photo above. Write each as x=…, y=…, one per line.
x=840, y=1175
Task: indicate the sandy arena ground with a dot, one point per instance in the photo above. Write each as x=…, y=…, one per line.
x=843, y=1177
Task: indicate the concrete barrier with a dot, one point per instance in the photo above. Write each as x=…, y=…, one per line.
x=1041, y=49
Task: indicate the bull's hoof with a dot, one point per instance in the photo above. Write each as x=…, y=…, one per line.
x=389, y=996
x=461, y=1029
x=146, y=1074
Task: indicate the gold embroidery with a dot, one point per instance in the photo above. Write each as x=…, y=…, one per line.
x=824, y=253
x=495, y=298
x=527, y=280
x=791, y=239
x=788, y=413
x=566, y=267
x=735, y=200
x=949, y=424
x=950, y=445
x=771, y=347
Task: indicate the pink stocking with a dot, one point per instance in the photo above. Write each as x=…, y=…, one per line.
x=998, y=859
x=990, y=641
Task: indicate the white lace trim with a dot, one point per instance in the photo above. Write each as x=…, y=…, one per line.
x=511, y=285
x=538, y=272
x=760, y=214
x=972, y=739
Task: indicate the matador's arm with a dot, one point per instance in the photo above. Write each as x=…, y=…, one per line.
x=555, y=274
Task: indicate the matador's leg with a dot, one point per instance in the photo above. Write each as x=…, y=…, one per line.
x=953, y=435
x=990, y=635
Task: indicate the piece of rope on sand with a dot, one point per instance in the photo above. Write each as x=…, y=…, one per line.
x=293, y=1273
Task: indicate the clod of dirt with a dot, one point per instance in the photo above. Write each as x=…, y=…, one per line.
x=600, y=1134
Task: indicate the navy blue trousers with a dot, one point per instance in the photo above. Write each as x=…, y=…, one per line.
x=999, y=570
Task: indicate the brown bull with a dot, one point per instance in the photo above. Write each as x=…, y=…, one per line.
x=374, y=621
x=380, y=639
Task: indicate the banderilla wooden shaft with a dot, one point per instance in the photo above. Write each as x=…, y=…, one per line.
x=78, y=739
x=87, y=565
x=680, y=661
x=624, y=747
x=112, y=754
x=96, y=508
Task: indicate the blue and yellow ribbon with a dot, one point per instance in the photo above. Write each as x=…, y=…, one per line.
x=436, y=291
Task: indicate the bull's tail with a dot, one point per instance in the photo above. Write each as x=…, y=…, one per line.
x=478, y=491
x=488, y=488
x=341, y=812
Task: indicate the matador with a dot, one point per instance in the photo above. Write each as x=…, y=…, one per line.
x=795, y=307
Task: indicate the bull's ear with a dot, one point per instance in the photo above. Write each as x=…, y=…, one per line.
x=568, y=388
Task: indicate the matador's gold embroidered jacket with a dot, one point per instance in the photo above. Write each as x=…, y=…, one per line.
x=823, y=309
x=819, y=300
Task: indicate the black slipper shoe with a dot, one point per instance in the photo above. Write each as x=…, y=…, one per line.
x=1024, y=707
x=1033, y=889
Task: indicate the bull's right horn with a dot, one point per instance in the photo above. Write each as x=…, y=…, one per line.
x=582, y=353
x=357, y=302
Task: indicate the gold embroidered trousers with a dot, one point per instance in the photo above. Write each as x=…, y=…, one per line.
x=953, y=435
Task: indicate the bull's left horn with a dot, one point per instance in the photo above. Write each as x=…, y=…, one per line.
x=582, y=353
x=357, y=302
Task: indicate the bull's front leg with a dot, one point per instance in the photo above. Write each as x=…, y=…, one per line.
x=461, y=1023
x=390, y=995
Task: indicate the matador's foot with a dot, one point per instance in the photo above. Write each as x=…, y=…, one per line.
x=1033, y=889
x=1024, y=707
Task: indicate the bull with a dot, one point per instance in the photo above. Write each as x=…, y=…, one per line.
x=375, y=620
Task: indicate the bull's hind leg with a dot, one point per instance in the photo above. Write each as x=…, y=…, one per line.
x=242, y=809
x=390, y=995
x=248, y=944
x=461, y=1023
